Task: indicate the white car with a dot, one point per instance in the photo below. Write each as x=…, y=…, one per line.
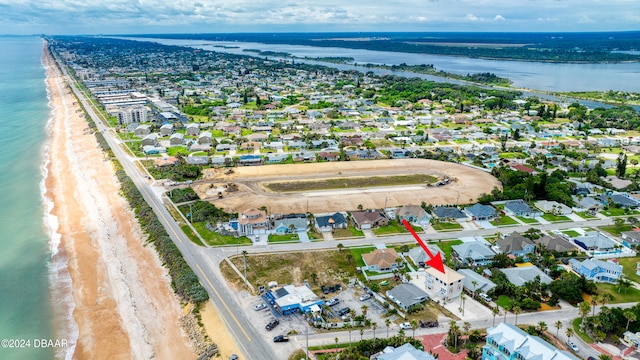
x=332, y=302
x=573, y=346
x=405, y=326
x=485, y=297
x=365, y=297
x=260, y=307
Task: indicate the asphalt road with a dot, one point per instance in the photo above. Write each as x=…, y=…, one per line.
x=238, y=323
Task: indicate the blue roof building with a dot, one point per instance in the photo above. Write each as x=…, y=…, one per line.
x=597, y=270
x=508, y=342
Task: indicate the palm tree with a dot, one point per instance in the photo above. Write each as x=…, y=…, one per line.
x=374, y=326
x=336, y=340
x=349, y=328
x=594, y=301
x=340, y=247
x=516, y=310
x=387, y=322
x=462, y=299
x=244, y=255
x=349, y=258
x=475, y=284
x=466, y=326
x=364, y=311
x=453, y=333
x=630, y=315
x=558, y=326
x=314, y=278
x=414, y=326
x=604, y=357
x=495, y=311
x=583, y=308
x=569, y=332
x=542, y=327
x=361, y=333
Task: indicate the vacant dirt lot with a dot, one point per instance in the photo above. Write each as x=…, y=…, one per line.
x=466, y=185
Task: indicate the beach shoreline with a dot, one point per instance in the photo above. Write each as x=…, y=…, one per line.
x=123, y=304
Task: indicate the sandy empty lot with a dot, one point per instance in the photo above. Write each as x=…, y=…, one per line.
x=467, y=184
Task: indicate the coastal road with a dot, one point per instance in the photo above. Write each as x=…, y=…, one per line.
x=237, y=322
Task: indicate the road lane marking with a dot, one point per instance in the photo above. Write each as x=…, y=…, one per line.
x=224, y=303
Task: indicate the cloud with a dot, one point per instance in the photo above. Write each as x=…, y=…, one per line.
x=471, y=17
x=99, y=16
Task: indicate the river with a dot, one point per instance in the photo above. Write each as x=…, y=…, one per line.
x=527, y=75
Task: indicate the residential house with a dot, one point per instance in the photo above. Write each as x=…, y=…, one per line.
x=420, y=257
x=166, y=130
x=197, y=160
x=404, y=352
x=276, y=158
x=176, y=139
x=518, y=276
x=142, y=130
x=509, y=342
x=414, y=214
x=479, y=212
x=622, y=200
x=329, y=222
x=446, y=286
x=253, y=221
x=474, y=282
x=446, y=213
x=520, y=208
x=250, y=160
x=205, y=138
x=630, y=238
x=596, y=242
x=290, y=224
x=472, y=253
x=588, y=204
x=407, y=296
x=381, y=260
x=369, y=219
x=555, y=243
x=515, y=245
x=553, y=207
x=597, y=270
x=192, y=129
x=150, y=140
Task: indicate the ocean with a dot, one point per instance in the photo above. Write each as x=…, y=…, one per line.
x=32, y=285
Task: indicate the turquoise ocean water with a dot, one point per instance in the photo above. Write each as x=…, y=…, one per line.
x=29, y=279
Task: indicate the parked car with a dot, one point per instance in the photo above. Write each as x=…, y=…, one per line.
x=344, y=311
x=572, y=346
x=485, y=297
x=405, y=326
x=338, y=287
x=365, y=297
x=272, y=324
x=324, y=289
x=280, y=338
x=260, y=306
x=233, y=357
x=334, y=301
x=332, y=289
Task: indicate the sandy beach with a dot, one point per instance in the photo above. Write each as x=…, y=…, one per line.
x=124, y=306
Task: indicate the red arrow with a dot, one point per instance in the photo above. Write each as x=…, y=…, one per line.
x=434, y=261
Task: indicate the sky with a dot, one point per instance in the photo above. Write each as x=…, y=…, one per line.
x=57, y=17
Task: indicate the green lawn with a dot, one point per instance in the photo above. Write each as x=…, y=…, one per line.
x=214, y=239
x=175, y=150
x=393, y=228
x=584, y=215
x=347, y=233
x=445, y=246
x=446, y=226
x=571, y=233
x=504, y=302
x=613, y=212
x=283, y=238
x=190, y=234
x=504, y=221
x=581, y=334
x=357, y=253
x=629, y=268
x=527, y=220
x=613, y=230
x=631, y=295
x=555, y=218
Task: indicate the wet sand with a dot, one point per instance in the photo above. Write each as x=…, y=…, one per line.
x=124, y=305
